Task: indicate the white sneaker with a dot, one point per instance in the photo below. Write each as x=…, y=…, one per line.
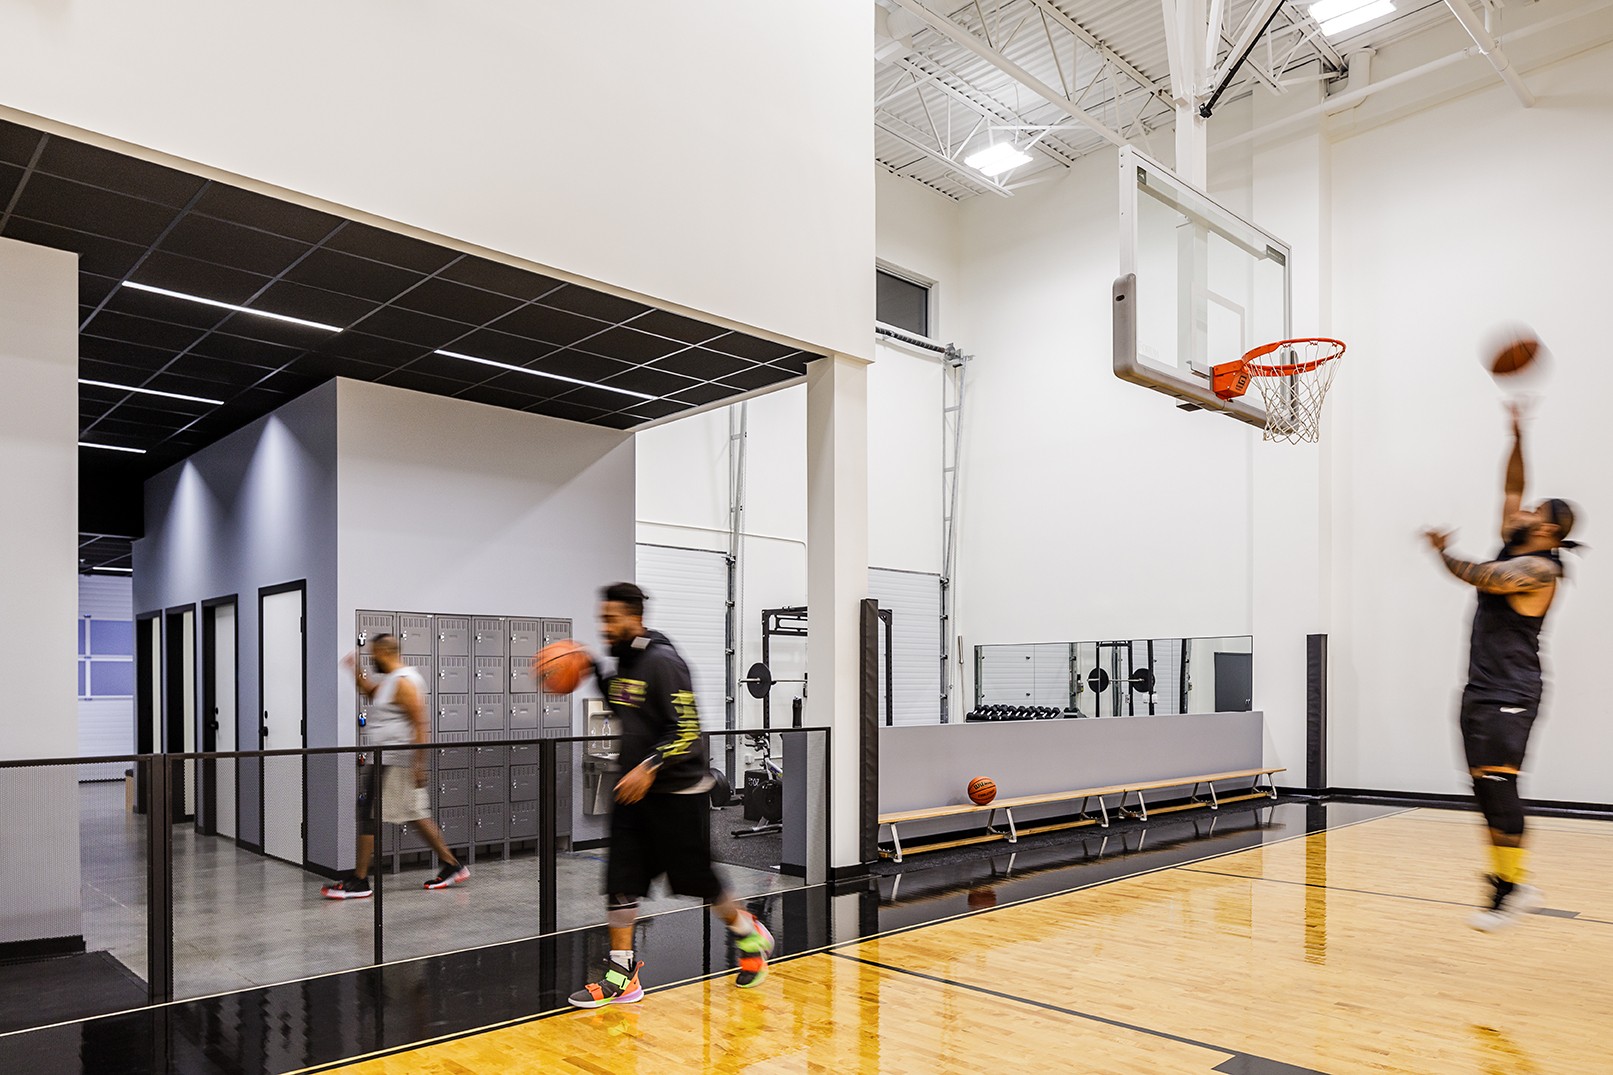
x=1507, y=909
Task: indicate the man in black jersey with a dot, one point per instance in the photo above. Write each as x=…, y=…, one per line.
x=1504, y=684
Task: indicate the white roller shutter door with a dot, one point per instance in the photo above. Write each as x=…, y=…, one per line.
x=688, y=598
x=914, y=599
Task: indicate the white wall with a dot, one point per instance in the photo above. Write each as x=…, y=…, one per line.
x=645, y=145
x=105, y=725
x=1489, y=213
x=38, y=587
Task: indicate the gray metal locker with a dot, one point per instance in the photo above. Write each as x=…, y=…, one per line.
x=554, y=630
x=483, y=755
x=523, y=783
x=522, y=681
x=455, y=822
x=488, y=786
x=453, y=636
x=410, y=837
x=487, y=637
x=525, y=638
x=452, y=714
x=453, y=757
x=490, y=823
x=371, y=624
x=366, y=664
x=489, y=675
x=556, y=714
x=453, y=787
x=424, y=664
x=524, y=821
x=523, y=711
x=414, y=635
x=524, y=754
x=488, y=714
x=453, y=675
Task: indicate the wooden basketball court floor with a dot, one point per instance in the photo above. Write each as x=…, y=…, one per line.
x=1346, y=950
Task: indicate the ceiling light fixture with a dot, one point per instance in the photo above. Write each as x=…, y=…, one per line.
x=1337, y=15
x=152, y=392
x=997, y=158
x=111, y=448
x=124, y=570
x=541, y=373
x=230, y=306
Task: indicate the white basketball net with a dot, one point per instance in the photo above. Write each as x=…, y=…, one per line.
x=1293, y=380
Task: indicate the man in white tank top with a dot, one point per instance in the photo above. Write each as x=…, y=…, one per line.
x=397, y=718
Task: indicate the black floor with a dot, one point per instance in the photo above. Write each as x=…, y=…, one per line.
x=326, y=1020
x=65, y=987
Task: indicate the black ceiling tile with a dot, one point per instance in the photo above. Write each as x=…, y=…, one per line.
x=376, y=350
x=92, y=289
x=115, y=372
x=203, y=279
x=115, y=325
x=619, y=421
x=451, y=369
x=676, y=327
x=115, y=430
x=137, y=303
x=423, y=382
x=699, y=363
x=223, y=243
x=273, y=330
x=456, y=301
x=292, y=382
x=602, y=398
x=550, y=326
x=597, y=304
x=757, y=377
x=92, y=396
x=97, y=254
x=90, y=209
x=630, y=346
x=523, y=384
x=557, y=408
x=10, y=176
x=241, y=350
x=502, y=347
x=324, y=367
x=311, y=304
x=650, y=381
x=17, y=143
x=266, y=214
x=737, y=343
x=335, y=271
x=170, y=381
x=702, y=394
x=583, y=367
x=497, y=397
x=391, y=248
x=223, y=376
x=795, y=364
x=657, y=408
x=118, y=172
x=168, y=419
x=410, y=327
x=504, y=279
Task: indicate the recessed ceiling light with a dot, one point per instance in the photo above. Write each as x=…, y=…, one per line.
x=542, y=373
x=230, y=306
x=1337, y=15
x=997, y=158
x=111, y=448
x=152, y=392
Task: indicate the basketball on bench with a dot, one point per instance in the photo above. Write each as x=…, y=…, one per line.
x=560, y=667
x=1514, y=355
x=982, y=789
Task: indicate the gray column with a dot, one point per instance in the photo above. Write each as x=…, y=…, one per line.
x=39, y=586
x=837, y=574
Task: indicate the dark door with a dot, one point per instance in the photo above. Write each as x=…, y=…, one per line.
x=1234, y=682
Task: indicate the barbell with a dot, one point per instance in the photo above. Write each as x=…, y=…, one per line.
x=759, y=680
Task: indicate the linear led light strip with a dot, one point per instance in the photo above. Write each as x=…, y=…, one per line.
x=230, y=306
x=152, y=392
x=124, y=570
x=111, y=448
x=541, y=373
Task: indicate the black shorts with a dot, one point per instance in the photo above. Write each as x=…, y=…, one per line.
x=1496, y=734
x=662, y=834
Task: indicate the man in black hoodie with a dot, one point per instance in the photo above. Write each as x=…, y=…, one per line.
x=661, y=822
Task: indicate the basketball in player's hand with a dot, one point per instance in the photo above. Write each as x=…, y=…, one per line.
x=560, y=667
x=1513, y=353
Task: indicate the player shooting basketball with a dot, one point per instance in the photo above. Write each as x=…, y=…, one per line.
x=1504, y=684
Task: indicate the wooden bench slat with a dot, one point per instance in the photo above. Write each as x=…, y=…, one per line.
x=1063, y=796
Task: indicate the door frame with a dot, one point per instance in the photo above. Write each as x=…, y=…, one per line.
x=145, y=712
x=209, y=703
x=301, y=587
x=173, y=663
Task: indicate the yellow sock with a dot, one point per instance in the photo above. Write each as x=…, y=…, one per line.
x=1508, y=863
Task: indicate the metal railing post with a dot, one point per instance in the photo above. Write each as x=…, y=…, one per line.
x=377, y=858
x=159, y=880
x=548, y=889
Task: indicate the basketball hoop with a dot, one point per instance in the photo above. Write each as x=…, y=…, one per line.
x=1293, y=390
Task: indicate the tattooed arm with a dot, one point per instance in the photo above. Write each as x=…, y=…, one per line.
x=1527, y=574
x=1512, y=490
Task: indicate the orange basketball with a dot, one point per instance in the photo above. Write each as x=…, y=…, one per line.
x=560, y=667
x=982, y=789
x=1514, y=356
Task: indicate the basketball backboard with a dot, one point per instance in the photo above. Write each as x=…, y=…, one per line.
x=1198, y=285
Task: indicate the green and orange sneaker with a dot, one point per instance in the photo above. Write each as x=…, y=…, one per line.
x=619, y=986
x=753, y=951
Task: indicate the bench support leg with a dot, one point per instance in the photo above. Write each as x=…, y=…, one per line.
x=896, y=839
x=1103, y=810
x=1013, y=833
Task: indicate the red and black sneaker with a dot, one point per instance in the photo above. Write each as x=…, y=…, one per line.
x=449, y=876
x=354, y=888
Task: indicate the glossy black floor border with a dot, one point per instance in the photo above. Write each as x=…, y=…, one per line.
x=327, y=1020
